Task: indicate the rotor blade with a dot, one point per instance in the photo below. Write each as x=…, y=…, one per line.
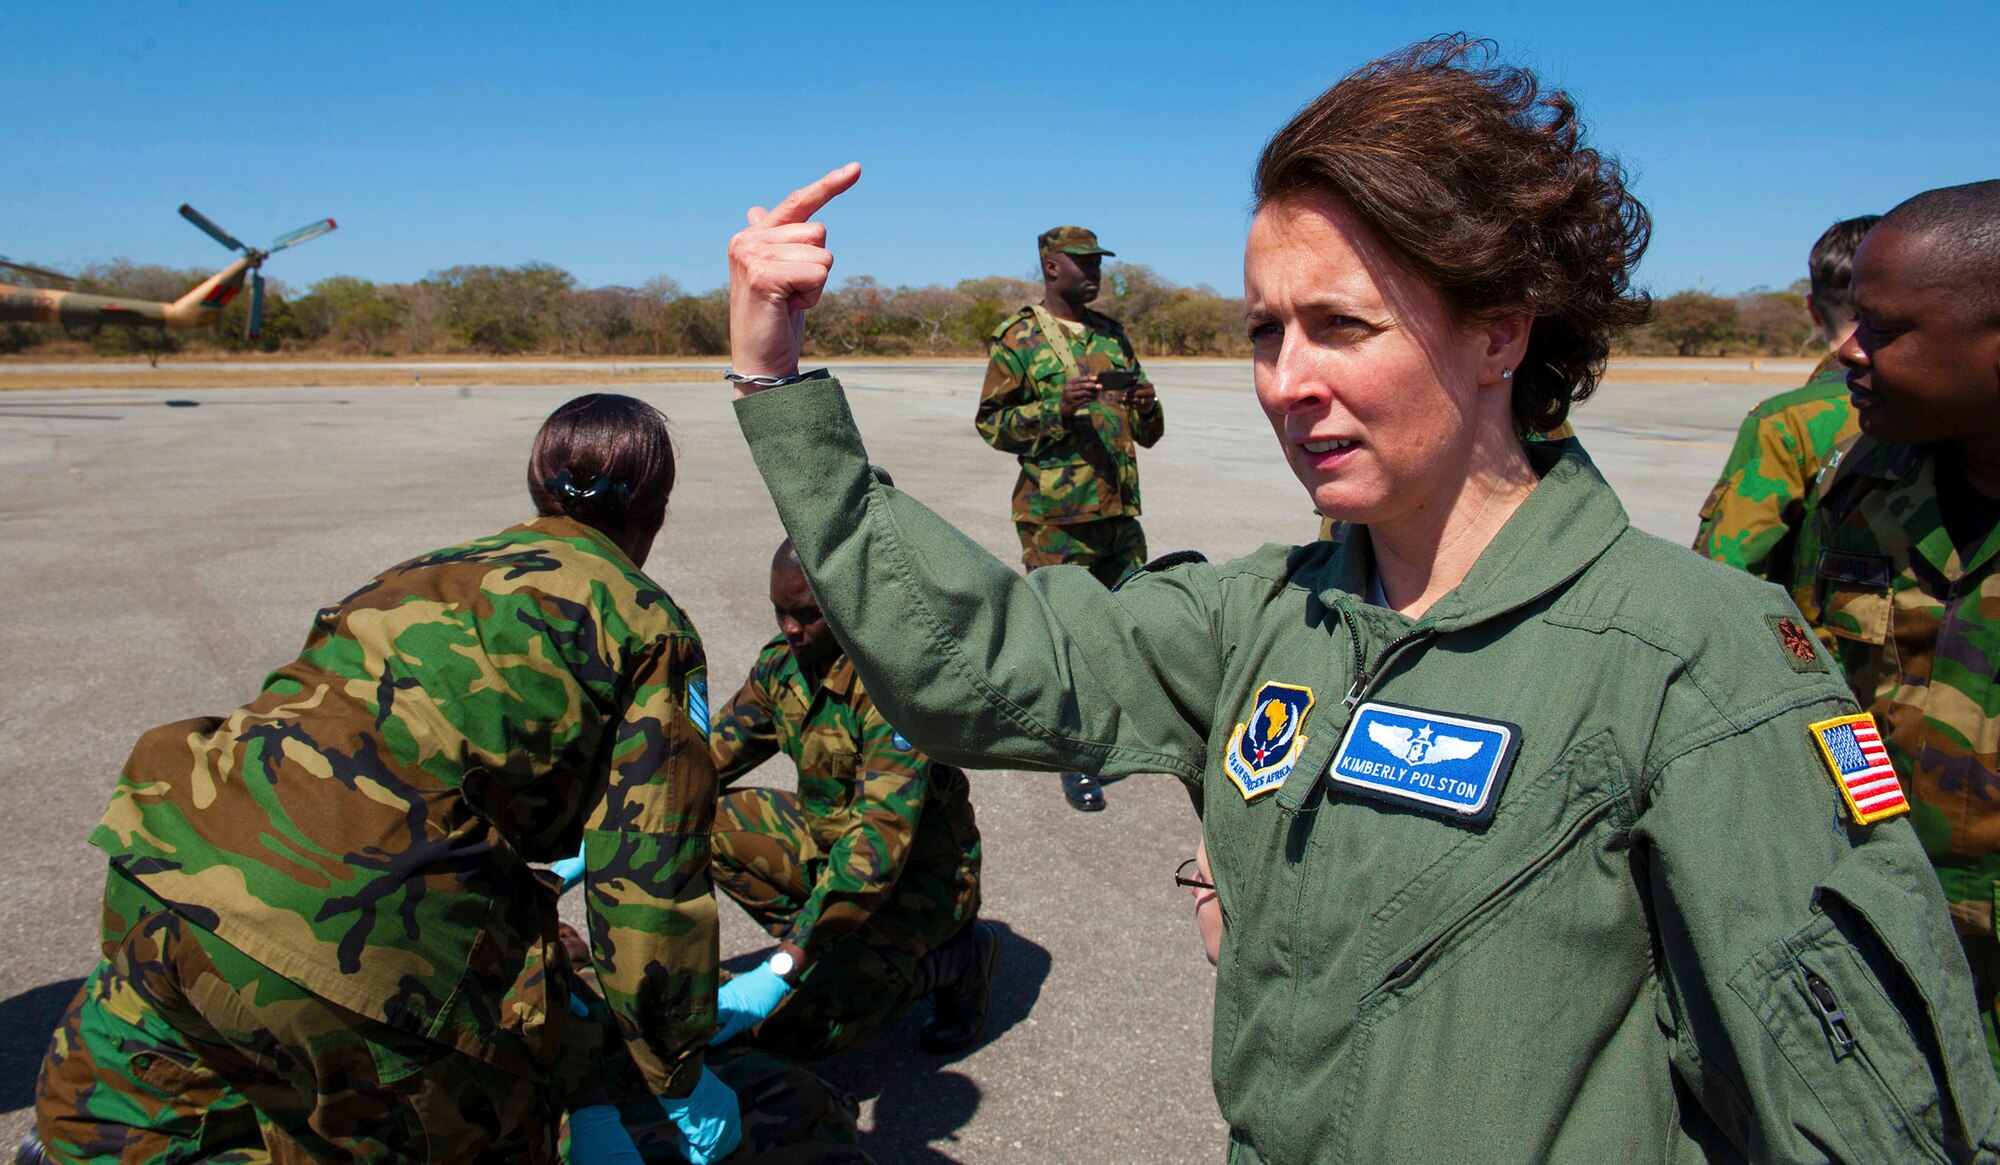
x=256, y=327
x=311, y=230
x=210, y=229
x=37, y=272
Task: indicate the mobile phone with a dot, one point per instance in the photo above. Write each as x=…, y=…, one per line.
x=1117, y=379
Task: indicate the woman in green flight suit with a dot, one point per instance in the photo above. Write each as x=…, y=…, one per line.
x=1537, y=838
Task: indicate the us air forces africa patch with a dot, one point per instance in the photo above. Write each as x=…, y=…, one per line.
x=1262, y=752
x=697, y=699
x=1852, y=748
x=1449, y=766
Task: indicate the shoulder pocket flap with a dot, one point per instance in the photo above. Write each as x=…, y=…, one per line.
x=1864, y=1003
x=1916, y=946
x=1852, y=591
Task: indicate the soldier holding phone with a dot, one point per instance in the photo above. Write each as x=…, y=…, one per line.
x=1065, y=394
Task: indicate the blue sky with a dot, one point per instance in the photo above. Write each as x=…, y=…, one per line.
x=622, y=141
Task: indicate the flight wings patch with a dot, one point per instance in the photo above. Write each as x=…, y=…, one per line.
x=1447, y=765
x=1853, y=751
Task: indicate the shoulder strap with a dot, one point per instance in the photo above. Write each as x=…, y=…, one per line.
x=1058, y=338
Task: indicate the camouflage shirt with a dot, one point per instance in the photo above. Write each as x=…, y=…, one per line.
x=1760, y=510
x=1916, y=627
x=876, y=807
x=1078, y=468
x=364, y=826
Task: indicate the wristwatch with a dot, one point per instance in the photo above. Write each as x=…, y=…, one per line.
x=735, y=377
x=781, y=965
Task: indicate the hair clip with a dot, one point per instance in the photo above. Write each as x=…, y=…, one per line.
x=600, y=487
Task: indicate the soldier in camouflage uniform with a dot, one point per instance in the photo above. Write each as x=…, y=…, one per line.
x=1077, y=500
x=870, y=872
x=1761, y=509
x=321, y=933
x=1905, y=572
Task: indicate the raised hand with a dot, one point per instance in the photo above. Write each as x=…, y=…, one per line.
x=778, y=267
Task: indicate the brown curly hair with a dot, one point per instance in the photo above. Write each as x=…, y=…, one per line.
x=1482, y=185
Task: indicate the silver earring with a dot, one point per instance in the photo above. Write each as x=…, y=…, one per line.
x=1506, y=374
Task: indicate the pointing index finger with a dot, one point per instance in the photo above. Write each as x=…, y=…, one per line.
x=806, y=201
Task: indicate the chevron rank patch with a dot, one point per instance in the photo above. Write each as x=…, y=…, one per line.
x=1852, y=748
x=1266, y=746
x=697, y=699
x=1449, y=766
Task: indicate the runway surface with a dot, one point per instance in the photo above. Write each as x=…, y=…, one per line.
x=156, y=561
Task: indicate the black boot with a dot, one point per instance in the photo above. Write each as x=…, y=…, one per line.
x=30, y=1152
x=959, y=978
x=1083, y=792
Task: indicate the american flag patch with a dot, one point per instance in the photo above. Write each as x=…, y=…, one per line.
x=1853, y=749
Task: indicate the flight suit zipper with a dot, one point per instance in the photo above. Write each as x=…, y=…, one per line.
x=1365, y=674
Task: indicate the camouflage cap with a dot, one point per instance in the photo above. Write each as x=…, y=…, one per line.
x=1070, y=241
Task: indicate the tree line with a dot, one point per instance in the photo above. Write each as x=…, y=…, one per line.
x=539, y=309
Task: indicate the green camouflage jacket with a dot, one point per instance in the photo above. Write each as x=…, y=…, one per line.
x=364, y=826
x=1762, y=506
x=1916, y=627
x=1075, y=469
x=876, y=806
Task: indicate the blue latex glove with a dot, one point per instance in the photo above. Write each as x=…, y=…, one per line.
x=710, y=1123
x=570, y=870
x=743, y=1002
x=596, y=1137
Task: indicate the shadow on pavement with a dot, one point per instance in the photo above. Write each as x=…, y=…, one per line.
x=918, y=1099
x=26, y=1021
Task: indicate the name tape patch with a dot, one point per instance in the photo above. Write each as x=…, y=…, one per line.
x=1852, y=748
x=1266, y=747
x=1450, y=766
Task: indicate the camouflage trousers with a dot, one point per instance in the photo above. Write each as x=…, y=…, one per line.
x=1109, y=548
x=181, y=1048
x=764, y=856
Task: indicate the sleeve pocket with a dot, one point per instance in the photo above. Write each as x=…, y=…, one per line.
x=1869, y=1005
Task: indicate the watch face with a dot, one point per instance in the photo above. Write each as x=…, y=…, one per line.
x=781, y=964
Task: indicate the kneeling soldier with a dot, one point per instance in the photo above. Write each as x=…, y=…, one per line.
x=868, y=875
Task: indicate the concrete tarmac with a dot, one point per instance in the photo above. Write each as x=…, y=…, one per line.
x=156, y=561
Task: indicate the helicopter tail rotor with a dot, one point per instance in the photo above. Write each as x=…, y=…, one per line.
x=306, y=233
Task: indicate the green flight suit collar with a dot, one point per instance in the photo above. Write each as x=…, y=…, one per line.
x=1569, y=519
